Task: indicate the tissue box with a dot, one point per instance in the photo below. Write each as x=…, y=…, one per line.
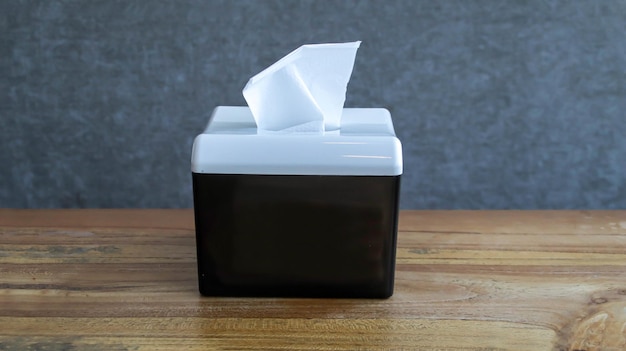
x=299, y=214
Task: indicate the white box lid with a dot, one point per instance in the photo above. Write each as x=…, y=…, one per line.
x=366, y=144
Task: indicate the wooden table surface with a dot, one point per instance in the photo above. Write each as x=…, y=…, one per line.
x=483, y=280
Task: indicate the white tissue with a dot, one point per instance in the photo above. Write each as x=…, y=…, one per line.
x=304, y=91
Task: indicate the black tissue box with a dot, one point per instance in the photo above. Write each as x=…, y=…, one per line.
x=302, y=214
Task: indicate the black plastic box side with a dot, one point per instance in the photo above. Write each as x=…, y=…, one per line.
x=296, y=235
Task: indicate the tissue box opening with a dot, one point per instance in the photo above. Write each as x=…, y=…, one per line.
x=296, y=235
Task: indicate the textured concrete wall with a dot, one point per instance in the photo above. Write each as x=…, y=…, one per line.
x=499, y=104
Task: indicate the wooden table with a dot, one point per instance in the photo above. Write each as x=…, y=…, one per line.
x=492, y=280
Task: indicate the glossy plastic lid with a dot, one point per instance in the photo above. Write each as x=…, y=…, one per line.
x=365, y=144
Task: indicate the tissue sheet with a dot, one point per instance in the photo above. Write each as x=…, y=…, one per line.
x=304, y=91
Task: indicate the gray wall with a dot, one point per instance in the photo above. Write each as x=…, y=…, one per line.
x=499, y=104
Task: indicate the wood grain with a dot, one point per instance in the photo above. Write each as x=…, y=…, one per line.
x=482, y=280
